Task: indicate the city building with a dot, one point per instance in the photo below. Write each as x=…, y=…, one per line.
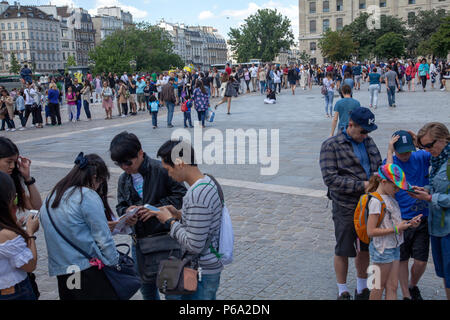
x=317, y=16
x=200, y=46
x=105, y=26
x=117, y=12
x=77, y=32
x=32, y=35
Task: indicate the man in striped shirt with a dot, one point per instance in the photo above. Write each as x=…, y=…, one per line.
x=196, y=226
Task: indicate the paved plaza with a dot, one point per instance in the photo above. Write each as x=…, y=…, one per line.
x=284, y=233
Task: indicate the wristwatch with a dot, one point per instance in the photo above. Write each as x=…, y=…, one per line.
x=169, y=222
x=31, y=182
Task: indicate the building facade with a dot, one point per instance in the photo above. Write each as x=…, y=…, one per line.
x=105, y=26
x=317, y=16
x=32, y=36
x=200, y=46
x=125, y=17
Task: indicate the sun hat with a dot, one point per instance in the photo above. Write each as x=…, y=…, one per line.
x=395, y=174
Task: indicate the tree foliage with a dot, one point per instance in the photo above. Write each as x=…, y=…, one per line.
x=337, y=45
x=365, y=39
x=15, y=66
x=440, y=40
x=148, y=45
x=262, y=36
x=71, y=61
x=390, y=45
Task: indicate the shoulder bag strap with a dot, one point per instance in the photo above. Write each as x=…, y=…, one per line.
x=65, y=238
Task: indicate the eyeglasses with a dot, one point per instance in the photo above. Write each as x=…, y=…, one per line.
x=123, y=163
x=427, y=146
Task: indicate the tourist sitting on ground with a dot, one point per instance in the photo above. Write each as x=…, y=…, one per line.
x=271, y=97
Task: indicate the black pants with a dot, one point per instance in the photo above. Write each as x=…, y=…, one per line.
x=125, y=108
x=8, y=121
x=86, y=109
x=424, y=81
x=37, y=114
x=55, y=113
x=27, y=115
x=94, y=285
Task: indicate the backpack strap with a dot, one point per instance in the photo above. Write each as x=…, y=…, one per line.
x=383, y=207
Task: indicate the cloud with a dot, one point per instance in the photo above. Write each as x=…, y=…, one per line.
x=205, y=15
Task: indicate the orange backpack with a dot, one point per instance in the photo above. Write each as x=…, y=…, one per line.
x=362, y=215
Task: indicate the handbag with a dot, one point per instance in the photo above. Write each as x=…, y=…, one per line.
x=122, y=276
x=180, y=276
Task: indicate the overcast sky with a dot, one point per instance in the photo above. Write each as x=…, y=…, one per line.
x=219, y=14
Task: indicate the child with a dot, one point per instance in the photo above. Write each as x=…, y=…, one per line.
x=72, y=104
x=187, y=113
x=271, y=97
x=153, y=107
x=386, y=238
x=20, y=107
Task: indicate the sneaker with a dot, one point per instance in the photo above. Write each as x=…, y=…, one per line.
x=345, y=296
x=170, y=126
x=415, y=293
x=12, y=130
x=21, y=129
x=443, y=89
x=123, y=116
x=364, y=295
x=7, y=129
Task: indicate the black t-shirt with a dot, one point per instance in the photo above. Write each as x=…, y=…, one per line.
x=131, y=89
x=77, y=89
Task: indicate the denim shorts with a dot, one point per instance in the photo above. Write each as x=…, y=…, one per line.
x=388, y=256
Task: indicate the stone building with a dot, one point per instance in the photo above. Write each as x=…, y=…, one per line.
x=317, y=16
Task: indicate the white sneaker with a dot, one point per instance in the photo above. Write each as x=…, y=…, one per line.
x=123, y=116
x=22, y=129
x=74, y=121
x=7, y=129
x=12, y=130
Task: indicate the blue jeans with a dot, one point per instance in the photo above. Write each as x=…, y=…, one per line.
x=24, y=291
x=440, y=248
x=270, y=84
x=170, y=109
x=86, y=109
x=154, y=118
x=187, y=118
x=329, y=97
x=391, y=95
x=262, y=86
x=201, y=116
x=78, y=109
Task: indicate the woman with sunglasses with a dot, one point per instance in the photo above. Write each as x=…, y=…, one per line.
x=77, y=206
x=434, y=137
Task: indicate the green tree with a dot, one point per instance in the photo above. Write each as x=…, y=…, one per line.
x=421, y=27
x=262, y=36
x=337, y=45
x=305, y=57
x=15, y=66
x=390, y=45
x=148, y=45
x=71, y=61
x=440, y=40
x=365, y=39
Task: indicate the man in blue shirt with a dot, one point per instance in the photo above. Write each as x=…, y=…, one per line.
x=343, y=109
x=416, y=244
x=357, y=71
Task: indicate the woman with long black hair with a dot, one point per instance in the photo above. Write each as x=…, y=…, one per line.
x=77, y=206
x=18, y=254
x=201, y=101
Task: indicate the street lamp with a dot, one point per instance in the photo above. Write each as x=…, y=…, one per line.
x=133, y=65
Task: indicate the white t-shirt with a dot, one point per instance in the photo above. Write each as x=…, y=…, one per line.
x=14, y=254
x=392, y=217
x=254, y=72
x=138, y=184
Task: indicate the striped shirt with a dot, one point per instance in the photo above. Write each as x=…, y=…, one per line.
x=200, y=220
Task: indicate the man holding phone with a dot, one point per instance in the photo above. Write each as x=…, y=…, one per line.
x=416, y=244
x=145, y=182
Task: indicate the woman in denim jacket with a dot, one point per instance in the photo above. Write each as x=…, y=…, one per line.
x=80, y=211
x=434, y=137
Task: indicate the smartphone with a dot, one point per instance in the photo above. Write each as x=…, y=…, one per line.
x=149, y=207
x=412, y=191
x=35, y=213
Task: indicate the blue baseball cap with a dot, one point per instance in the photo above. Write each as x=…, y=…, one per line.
x=364, y=118
x=405, y=142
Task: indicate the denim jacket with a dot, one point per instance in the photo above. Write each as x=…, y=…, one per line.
x=81, y=218
x=440, y=203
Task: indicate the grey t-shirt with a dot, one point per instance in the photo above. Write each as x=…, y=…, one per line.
x=390, y=77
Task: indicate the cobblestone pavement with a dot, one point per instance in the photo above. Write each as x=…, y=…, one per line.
x=284, y=236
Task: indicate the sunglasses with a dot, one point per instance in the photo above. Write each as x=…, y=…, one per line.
x=123, y=163
x=427, y=146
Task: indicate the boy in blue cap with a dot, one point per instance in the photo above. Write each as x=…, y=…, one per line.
x=416, y=244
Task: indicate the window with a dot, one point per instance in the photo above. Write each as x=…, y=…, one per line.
x=362, y=4
x=10, y=36
x=11, y=46
x=326, y=6
x=22, y=25
x=31, y=35
x=17, y=46
x=3, y=26
x=411, y=1
x=3, y=36
x=339, y=5
x=312, y=26
x=25, y=56
x=23, y=35
x=326, y=24
x=16, y=26
x=4, y=46
x=411, y=17
x=16, y=34
x=339, y=23
x=9, y=26
x=312, y=7
x=24, y=45
x=383, y=4
x=312, y=46
x=30, y=25
x=18, y=57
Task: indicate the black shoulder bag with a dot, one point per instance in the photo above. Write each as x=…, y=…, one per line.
x=122, y=276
